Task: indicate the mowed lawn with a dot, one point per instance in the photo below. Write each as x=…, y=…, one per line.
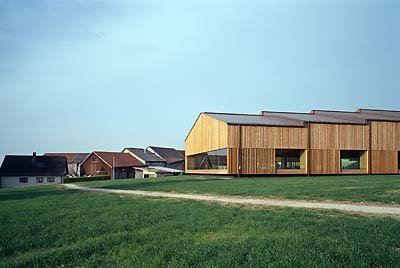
x=54, y=227
x=374, y=188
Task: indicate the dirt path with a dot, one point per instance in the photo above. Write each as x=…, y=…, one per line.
x=394, y=211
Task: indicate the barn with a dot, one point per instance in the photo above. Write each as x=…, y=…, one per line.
x=320, y=142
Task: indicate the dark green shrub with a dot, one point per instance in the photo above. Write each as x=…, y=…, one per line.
x=87, y=178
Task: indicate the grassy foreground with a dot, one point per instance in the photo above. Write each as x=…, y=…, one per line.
x=374, y=188
x=51, y=227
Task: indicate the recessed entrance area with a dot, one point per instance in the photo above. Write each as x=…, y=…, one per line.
x=353, y=160
x=290, y=159
x=215, y=160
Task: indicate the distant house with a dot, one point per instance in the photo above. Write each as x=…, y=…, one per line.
x=105, y=163
x=154, y=172
x=74, y=161
x=22, y=170
x=146, y=157
x=174, y=158
x=155, y=165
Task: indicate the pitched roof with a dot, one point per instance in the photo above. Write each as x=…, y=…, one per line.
x=120, y=159
x=145, y=155
x=314, y=118
x=289, y=119
x=168, y=154
x=71, y=157
x=363, y=115
x=254, y=119
x=28, y=165
x=380, y=112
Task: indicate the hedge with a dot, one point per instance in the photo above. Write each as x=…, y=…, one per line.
x=87, y=178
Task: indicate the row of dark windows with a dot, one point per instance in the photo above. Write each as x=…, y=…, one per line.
x=38, y=179
x=284, y=159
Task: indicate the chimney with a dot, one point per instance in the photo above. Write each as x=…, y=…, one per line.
x=34, y=158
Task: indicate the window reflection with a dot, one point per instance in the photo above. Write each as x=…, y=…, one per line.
x=352, y=159
x=209, y=160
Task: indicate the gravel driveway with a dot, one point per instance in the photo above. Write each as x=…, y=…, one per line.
x=370, y=209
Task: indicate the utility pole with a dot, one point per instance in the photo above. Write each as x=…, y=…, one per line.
x=113, y=171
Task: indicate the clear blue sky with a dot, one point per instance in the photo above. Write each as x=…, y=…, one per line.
x=78, y=76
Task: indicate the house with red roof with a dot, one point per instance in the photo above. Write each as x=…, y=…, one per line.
x=114, y=164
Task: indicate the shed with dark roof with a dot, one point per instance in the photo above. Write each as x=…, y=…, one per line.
x=320, y=142
x=74, y=161
x=174, y=158
x=146, y=157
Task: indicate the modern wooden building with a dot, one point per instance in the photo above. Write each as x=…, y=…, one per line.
x=319, y=142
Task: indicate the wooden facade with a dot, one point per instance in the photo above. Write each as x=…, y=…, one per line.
x=251, y=148
x=385, y=143
x=95, y=166
x=113, y=164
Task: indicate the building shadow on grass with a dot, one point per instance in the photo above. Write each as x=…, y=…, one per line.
x=8, y=194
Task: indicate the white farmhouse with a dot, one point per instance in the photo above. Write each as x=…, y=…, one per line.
x=26, y=170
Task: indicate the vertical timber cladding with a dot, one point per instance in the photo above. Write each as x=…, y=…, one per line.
x=385, y=145
x=258, y=144
x=328, y=139
x=207, y=134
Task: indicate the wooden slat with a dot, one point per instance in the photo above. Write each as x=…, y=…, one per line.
x=207, y=134
x=385, y=136
x=333, y=136
x=232, y=161
x=325, y=162
x=268, y=137
x=255, y=161
x=384, y=162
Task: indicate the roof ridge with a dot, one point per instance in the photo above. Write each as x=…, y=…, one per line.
x=376, y=110
x=230, y=113
x=283, y=112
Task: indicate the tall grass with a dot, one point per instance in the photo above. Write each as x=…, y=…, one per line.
x=50, y=227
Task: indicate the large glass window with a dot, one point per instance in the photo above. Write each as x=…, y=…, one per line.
x=290, y=159
x=210, y=160
x=353, y=160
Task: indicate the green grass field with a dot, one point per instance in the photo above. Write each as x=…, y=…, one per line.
x=53, y=227
x=374, y=188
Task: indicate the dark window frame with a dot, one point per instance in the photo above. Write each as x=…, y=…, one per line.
x=23, y=180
